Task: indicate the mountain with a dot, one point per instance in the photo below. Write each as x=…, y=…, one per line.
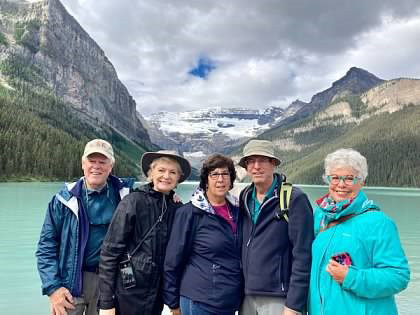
x=379, y=118
x=45, y=55
x=202, y=132
x=59, y=90
x=50, y=51
x=355, y=81
x=382, y=122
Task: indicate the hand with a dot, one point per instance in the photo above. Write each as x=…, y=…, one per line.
x=176, y=311
x=61, y=299
x=337, y=271
x=107, y=312
x=177, y=199
x=289, y=311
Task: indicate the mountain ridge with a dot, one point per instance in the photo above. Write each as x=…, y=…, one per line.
x=177, y=130
x=383, y=123
x=355, y=81
x=48, y=44
x=59, y=90
x=54, y=76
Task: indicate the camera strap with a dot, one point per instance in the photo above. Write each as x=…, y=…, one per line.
x=162, y=213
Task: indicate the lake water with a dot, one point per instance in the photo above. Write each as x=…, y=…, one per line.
x=22, y=210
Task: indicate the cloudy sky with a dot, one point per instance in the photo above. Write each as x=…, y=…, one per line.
x=182, y=55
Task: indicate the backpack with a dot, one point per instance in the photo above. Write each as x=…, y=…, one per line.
x=284, y=196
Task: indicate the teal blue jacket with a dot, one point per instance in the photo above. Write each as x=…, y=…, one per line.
x=379, y=266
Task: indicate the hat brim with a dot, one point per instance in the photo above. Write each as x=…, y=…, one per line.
x=242, y=161
x=103, y=152
x=149, y=157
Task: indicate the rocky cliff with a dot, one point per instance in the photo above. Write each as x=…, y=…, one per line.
x=355, y=82
x=393, y=95
x=46, y=47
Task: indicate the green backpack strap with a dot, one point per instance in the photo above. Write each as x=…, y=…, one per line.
x=284, y=196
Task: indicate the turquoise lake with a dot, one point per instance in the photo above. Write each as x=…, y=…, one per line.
x=22, y=210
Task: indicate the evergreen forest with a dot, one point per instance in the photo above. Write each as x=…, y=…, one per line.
x=41, y=138
x=389, y=141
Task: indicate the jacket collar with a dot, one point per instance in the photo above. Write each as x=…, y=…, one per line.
x=280, y=179
x=148, y=188
x=75, y=189
x=199, y=200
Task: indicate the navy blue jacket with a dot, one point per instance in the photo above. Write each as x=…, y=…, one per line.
x=64, y=236
x=276, y=255
x=203, y=257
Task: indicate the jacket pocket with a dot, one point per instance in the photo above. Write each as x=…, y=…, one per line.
x=144, y=270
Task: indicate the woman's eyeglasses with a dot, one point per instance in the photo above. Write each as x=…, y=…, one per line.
x=347, y=179
x=216, y=175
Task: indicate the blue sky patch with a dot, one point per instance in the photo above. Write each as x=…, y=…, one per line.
x=203, y=68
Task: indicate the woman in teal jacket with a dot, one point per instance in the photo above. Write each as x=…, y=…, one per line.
x=358, y=264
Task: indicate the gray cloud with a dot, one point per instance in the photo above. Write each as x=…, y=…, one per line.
x=268, y=52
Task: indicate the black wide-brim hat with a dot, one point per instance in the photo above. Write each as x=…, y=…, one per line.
x=149, y=157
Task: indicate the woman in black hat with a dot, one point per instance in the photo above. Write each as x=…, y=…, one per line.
x=133, y=252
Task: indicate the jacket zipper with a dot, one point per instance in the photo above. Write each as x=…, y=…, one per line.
x=163, y=211
x=253, y=226
x=159, y=246
x=249, y=213
x=251, y=236
x=319, y=275
x=227, y=225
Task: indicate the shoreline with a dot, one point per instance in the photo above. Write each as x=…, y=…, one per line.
x=137, y=182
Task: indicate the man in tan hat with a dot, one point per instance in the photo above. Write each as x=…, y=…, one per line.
x=276, y=253
x=75, y=225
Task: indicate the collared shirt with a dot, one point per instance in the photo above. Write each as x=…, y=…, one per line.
x=99, y=206
x=255, y=205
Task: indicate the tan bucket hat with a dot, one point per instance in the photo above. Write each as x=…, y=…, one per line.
x=258, y=147
x=148, y=158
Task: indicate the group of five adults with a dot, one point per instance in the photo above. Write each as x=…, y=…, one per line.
x=108, y=248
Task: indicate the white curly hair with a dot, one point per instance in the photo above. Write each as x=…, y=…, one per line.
x=346, y=157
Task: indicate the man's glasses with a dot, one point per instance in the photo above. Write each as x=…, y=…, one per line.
x=259, y=160
x=347, y=179
x=216, y=175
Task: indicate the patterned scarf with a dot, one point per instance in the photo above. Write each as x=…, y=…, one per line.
x=332, y=210
x=330, y=205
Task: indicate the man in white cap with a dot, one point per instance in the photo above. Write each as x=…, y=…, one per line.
x=75, y=225
x=276, y=250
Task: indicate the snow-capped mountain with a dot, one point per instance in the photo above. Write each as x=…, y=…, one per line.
x=201, y=132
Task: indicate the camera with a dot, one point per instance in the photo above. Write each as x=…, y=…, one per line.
x=127, y=274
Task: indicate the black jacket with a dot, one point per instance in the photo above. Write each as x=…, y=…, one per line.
x=203, y=258
x=134, y=217
x=276, y=255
